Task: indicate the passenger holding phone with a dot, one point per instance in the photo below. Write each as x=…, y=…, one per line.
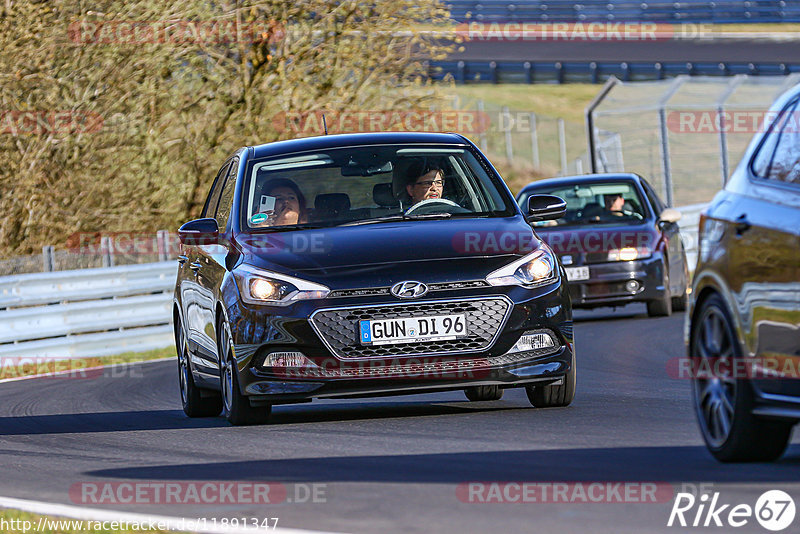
x=289, y=204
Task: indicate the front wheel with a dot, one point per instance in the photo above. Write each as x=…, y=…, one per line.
x=484, y=393
x=724, y=403
x=554, y=396
x=195, y=403
x=236, y=407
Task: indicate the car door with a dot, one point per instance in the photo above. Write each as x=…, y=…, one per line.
x=194, y=296
x=764, y=226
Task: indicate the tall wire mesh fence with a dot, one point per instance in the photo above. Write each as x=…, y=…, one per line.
x=685, y=135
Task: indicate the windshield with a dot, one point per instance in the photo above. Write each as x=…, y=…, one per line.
x=608, y=203
x=369, y=184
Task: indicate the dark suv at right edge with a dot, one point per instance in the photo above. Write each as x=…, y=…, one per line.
x=743, y=324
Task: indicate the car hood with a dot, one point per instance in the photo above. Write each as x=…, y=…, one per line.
x=383, y=253
x=598, y=239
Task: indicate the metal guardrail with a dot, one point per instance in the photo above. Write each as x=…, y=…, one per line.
x=694, y=11
x=87, y=313
x=690, y=219
x=593, y=71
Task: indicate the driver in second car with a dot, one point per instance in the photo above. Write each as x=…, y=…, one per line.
x=428, y=186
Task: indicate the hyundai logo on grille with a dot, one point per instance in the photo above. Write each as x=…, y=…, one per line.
x=409, y=290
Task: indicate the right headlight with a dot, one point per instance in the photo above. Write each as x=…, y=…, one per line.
x=536, y=269
x=265, y=287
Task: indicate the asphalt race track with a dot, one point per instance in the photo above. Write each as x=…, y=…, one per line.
x=395, y=464
x=739, y=51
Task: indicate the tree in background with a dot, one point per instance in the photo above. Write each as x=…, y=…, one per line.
x=115, y=116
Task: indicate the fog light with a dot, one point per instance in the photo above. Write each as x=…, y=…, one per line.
x=287, y=359
x=632, y=286
x=536, y=341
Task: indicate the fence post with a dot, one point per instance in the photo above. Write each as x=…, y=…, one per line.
x=578, y=166
x=562, y=145
x=665, y=163
x=506, y=123
x=106, y=249
x=534, y=141
x=48, y=263
x=162, y=238
x=482, y=135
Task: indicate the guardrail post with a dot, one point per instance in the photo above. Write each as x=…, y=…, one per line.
x=528, y=72
x=559, y=72
x=493, y=71
x=107, y=251
x=562, y=145
x=534, y=142
x=162, y=239
x=594, y=72
x=48, y=263
x=462, y=72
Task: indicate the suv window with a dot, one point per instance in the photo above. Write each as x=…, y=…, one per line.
x=778, y=157
x=226, y=198
x=216, y=189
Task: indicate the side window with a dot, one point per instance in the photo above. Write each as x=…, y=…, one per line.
x=213, y=196
x=658, y=207
x=226, y=198
x=778, y=157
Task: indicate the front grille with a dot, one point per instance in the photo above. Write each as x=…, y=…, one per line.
x=338, y=327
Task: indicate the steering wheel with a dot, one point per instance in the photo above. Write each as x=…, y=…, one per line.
x=432, y=202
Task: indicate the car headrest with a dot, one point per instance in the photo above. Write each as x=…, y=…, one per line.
x=383, y=196
x=592, y=209
x=332, y=204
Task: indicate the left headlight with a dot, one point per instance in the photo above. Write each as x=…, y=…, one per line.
x=536, y=269
x=265, y=287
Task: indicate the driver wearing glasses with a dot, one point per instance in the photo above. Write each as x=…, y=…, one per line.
x=428, y=186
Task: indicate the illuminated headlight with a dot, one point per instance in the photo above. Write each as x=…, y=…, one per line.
x=628, y=253
x=535, y=341
x=535, y=269
x=287, y=359
x=265, y=287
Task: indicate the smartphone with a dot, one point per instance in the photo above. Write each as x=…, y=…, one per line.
x=267, y=203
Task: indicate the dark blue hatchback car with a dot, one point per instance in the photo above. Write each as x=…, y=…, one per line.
x=365, y=265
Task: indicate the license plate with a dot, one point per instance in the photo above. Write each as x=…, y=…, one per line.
x=412, y=329
x=577, y=273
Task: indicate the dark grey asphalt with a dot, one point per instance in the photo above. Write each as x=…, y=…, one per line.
x=393, y=464
x=637, y=51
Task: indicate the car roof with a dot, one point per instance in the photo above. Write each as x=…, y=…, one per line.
x=324, y=142
x=582, y=179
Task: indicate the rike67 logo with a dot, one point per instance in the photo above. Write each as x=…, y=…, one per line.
x=774, y=510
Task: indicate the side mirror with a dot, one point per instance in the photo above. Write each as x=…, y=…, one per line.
x=669, y=215
x=546, y=208
x=199, y=232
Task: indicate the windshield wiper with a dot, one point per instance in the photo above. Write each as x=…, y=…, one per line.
x=386, y=218
x=442, y=215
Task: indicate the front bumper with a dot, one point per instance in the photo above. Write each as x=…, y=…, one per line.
x=259, y=330
x=606, y=283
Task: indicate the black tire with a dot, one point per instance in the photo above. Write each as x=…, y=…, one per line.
x=235, y=406
x=555, y=396
x=484, y=393
x=195, y=402
x=660, y=307
x=724, y=405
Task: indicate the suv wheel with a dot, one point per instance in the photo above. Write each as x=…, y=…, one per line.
x=553, y=396
x=723, y=404
x=484, y=393
x=195, y=402
x=236, y=407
